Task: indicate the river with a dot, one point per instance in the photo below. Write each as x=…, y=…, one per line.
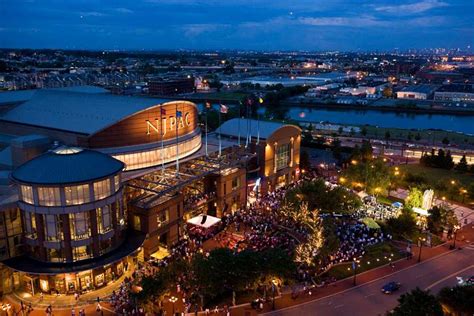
x=448, y=122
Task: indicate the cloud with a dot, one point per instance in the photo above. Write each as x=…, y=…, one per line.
x=93, y=13
x=191, y=30
x=362, y=21
x=123, y=10
x=413, y=8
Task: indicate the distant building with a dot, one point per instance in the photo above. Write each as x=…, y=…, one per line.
x=420, y=92
x=455, y=93
x=170, y=86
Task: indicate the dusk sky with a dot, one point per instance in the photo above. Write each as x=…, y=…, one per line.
x=236, y=24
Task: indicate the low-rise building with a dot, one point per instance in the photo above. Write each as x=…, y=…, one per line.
x=455, y=93
x=418, y=92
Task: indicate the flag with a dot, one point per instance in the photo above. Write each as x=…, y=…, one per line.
x=224, y=109
x=179, y=114
x=163, y=111
x=260, y=100
x=208, y=105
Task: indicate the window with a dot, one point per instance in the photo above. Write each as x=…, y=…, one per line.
x=283, y=156
x=104, y=219
x=55, y=255
x=49, y=196
x=53, y=227
x=78, y=194
x=13, y=222
x=27, y=194
x=101, y=189
x=137, y=224
x=81, y=253
x=80, y=225
x=30, y=224
x=235, y=183
x=117, y=182
x=163, y=218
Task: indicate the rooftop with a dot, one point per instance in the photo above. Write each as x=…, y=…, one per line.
x=465, y=88
x=423, y=88
x=67, y=165
x=239, y=126
x=85, y=111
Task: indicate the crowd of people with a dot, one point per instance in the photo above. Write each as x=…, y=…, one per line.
x=261, y=226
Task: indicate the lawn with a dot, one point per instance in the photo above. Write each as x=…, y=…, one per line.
x=224, y=96
x=438, y=179
x=376, y=255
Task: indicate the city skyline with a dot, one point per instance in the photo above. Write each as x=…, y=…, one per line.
x=246, y=25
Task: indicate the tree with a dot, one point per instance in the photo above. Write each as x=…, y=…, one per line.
x=402, y=226
x=445, y=141
x=458, y=299
x=418, y=303
x=414, y=198
x=363, y=131
x=462, y=164
x=304, y=160
x=387, y=135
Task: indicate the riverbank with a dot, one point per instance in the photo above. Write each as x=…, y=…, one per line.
x=383, y=108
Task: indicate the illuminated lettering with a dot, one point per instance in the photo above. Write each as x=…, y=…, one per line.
x=150, y=125
x=171, y=123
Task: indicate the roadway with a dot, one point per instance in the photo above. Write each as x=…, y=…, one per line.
x=367, y=299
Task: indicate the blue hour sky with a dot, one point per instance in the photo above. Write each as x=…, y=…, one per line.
x=236, y=24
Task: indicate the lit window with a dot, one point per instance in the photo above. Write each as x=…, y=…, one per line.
x=49, y=196
x=104, y=219
x=163, y=218
x=80, y=225
x=283, y=156
x=101, y=189
x=76, y=195
x=53, y=227
x=30, y=224
x=27, y=194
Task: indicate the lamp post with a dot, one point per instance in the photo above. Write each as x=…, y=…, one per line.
x=420, y=245
x=173, y=300
x=455, y=229
x=274, y=284
x=354, y=268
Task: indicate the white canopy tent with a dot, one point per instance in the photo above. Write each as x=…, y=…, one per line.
x=204, y=221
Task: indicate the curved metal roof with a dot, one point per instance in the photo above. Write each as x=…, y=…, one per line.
x=67, y=166
x=238, y=126
x=77, y=111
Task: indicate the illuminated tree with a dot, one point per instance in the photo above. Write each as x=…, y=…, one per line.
x=414, y=198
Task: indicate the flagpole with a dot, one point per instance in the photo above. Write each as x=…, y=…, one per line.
x=220, y=142
x=206, y=109
x=177, y=147
x=239, y=122
x=162, y=146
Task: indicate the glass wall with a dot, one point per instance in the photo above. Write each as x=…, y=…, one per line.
x=81, y=253
x=80, y=225
x=104, y=219
x=283, y=156
x=30, y=224
x=53, y=228
x=49, y=196
x=117, y=182
x=102, y=189
x=27, y=194
x=78, y=194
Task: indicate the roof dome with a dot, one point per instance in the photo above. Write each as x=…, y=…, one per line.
x=67, y=165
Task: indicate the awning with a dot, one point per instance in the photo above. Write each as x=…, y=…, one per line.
x=204, y=221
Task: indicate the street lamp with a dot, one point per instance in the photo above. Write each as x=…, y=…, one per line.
x=274, y=285
x=455, y=229
x=173, y=300
x=354, y=268
x=420, y=245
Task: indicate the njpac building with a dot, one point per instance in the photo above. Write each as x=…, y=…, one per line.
x=92, y=183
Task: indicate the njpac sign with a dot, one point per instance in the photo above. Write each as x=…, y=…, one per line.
x=168, y=124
